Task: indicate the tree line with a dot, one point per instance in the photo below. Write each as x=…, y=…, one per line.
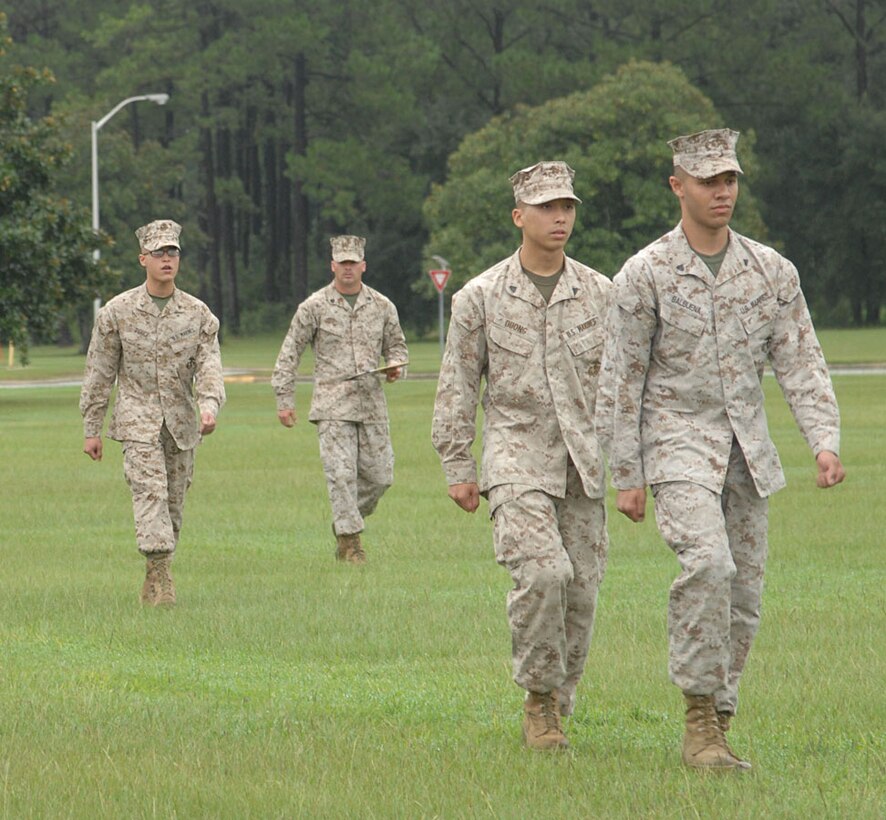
x=289, y=122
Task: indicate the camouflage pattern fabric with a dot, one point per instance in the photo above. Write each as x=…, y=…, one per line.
x=707, y=153
x=681, y=408
x=159, y=359
x=555, y=550
x=543, y=182
x=346, y=341
x=158, y=475
x=542, y=468
x=541, y=364
x=721, y=543
x=359, y=465
x=161, y=233
x=684, y=364
x=348, y=248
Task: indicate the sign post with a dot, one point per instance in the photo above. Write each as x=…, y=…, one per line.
x=439, y=278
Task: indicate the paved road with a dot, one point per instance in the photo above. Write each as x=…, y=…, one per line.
x=247, y=376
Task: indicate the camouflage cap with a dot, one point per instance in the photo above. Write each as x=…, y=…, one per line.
x=543, y=182
x=161, y=233
x=707, y=153
x=347, y=248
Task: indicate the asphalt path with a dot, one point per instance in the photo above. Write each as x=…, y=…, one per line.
x=248, y=376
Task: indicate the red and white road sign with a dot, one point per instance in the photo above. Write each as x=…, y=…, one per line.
x=439, y=278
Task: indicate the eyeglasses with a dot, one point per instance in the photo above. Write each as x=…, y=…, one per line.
x=161, y=252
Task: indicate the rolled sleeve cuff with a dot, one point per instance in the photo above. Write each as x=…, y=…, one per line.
x=285, y=402
x=460, y=472
x=211, y=407
x=627, y=478
x=829, y=443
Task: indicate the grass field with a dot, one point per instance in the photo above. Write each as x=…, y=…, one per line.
x=257, y=355
x=286, y=685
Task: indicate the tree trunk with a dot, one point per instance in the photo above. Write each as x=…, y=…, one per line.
x=284, y=227
x=135, y=128
x=241, y=157
x=209, y=221
x=229, y=230
x=861, y=51
x=272, y=240
x=85, y=319
x=299, y=199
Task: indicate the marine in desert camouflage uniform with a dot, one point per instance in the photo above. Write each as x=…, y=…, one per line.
x=696, y=316
x=532, y=326
x=160, y=345
x=350, y=327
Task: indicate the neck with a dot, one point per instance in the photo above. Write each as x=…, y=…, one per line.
x=709, y=241
x=541, y=262
x=351, y=291
x=161, y=291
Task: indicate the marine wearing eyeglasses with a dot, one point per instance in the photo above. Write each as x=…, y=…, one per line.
x=160, y=345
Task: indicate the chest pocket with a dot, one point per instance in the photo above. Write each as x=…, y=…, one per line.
x=139, y=344
x=334, y=326
x=683, y=319
x=512, y=340
x=757, y=314
x=681, y=333
x=584, y=341
x=184, y=343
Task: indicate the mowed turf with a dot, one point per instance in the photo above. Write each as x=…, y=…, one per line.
x=286, y=685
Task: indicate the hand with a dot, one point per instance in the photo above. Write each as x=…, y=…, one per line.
x=467, y=496
x=632, y=503
x=287, y=417
x=830, y=470
x=207, y=423
x=393, y=374
x=92, y=446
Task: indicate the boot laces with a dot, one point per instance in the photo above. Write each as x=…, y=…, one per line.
x=165, y=581
x=708, y=724
x=550, y=713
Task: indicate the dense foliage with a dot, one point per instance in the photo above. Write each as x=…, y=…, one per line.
x=288, y=122
x=614, y=137
x=46, y=242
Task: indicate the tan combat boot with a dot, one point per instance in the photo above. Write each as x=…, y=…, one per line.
x=541, y=722
x=350, y=549
x=725, y=720
x=159, y=588
x=342, y=549
x=704, y=744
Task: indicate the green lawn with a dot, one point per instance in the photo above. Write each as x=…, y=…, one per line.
x=286, y=685
x=258, y=354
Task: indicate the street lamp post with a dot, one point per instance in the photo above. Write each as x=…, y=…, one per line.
x=160, y=99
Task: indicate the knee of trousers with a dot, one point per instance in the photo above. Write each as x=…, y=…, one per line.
x=709, y=566
x=547, y=574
